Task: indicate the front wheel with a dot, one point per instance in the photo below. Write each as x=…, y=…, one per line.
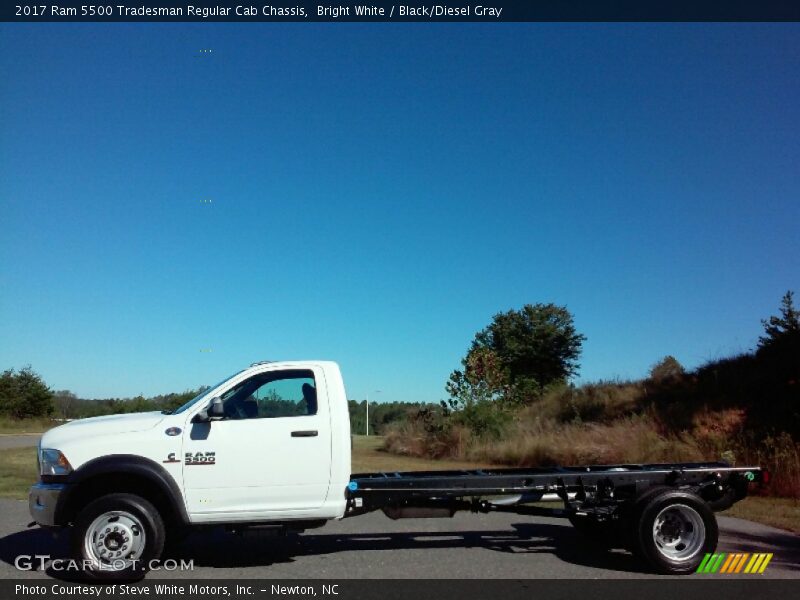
x=117, y=537
x=673, y=530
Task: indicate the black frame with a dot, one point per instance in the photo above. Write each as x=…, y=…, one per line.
x=593, y=486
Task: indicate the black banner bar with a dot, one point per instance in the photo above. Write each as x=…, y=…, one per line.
x=396, y=589
x=494, y=11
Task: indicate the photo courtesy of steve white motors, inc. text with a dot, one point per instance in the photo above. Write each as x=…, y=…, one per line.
x=171, y=589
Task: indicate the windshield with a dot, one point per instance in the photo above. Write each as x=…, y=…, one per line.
x=202, y=394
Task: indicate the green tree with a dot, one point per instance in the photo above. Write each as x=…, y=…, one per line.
x=358, y=417
x=24, y=394
x=519, y=354
x=779, y=329
x=8, y=391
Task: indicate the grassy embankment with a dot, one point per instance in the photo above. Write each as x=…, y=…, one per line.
x=615, y=423
x=18, y=471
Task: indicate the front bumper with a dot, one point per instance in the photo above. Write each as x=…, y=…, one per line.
x=42, y=502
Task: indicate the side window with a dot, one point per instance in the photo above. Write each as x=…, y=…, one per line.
x=273, y=395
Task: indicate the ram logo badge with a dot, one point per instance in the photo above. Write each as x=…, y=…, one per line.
x=200, y=458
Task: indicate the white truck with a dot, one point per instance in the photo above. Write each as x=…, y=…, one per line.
x=269, y=447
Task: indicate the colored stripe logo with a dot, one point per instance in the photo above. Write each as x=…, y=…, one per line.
x=729, y=563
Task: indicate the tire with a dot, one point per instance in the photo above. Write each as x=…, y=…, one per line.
x=117, y=536
x=673, y=530
x=724, y=502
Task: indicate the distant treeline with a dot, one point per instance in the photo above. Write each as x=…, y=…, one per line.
x=381, y=415
x=24, y=394
x=67, y=405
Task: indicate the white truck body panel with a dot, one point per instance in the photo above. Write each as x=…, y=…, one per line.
x=247, y=470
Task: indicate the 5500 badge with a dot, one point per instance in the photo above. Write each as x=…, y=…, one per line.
x=196, y=458
x=200, y=458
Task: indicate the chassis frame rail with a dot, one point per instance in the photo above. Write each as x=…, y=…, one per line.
x=578, y=487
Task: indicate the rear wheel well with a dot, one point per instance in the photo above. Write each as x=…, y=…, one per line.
x=125, y=483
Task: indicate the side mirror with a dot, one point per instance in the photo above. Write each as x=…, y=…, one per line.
x=216, y=410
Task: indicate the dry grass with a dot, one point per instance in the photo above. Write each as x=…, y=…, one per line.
x=626, y=440
x=8, y=425
x=409, y=438
x=537, y=442
x=600, y=402
x=369, y=456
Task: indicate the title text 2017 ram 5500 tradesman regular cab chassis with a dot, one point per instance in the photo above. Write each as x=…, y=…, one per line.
x=270, y=447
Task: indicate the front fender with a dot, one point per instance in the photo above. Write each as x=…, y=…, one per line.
x=118, y=468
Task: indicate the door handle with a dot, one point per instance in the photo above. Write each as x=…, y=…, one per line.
x=305, y=433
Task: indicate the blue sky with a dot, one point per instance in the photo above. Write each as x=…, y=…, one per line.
x=378, y=192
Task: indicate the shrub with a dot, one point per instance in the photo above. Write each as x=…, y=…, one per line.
x=666, y=369
x=780, y=453
x=412, y=438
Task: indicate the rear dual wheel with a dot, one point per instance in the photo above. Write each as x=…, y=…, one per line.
x=673, y=530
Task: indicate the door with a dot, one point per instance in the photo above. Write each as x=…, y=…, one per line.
x=271, y=451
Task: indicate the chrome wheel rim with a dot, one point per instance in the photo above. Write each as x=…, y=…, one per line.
x=115, y=540
x=679, y=532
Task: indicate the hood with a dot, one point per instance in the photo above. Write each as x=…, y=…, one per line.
x=96, y=426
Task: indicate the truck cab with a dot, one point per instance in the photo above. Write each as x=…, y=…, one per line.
x=270, y=444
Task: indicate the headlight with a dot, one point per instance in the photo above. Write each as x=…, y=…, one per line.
x=53, y=462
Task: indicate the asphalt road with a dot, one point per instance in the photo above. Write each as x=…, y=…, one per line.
x=493, y=546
